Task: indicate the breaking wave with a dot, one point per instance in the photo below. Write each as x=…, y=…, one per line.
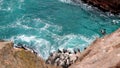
x=43, y=46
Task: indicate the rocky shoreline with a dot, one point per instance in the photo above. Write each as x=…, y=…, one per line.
x=63, y=58
x=102, y=53
x=112, y=6
x=12, y=57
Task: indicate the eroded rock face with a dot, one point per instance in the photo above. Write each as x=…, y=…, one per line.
x=105, y=5
x=102, y=53
x=19, y=58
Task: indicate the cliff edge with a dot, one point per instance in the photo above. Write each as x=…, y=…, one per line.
x=11, y=57
x=102, y=53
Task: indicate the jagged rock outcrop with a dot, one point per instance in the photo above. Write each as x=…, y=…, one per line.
x=11, y=57
x=102, y=53
x=63, y=58
x=105, y=5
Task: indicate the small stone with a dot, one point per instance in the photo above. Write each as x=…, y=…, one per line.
x=59, y=51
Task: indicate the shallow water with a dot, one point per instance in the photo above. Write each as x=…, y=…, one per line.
x=46, y=25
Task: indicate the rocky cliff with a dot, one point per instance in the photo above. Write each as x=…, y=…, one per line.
x=11, y=57
x=102, y=53
x=105, y=5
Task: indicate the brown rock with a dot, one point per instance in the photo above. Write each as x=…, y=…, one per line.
x=102, y=53
x=19, y=58
x=105, y=5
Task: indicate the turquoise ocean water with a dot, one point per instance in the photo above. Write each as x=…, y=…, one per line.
x=48, y=25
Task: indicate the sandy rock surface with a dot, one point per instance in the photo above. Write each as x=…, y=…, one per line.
x=11, y=57
x=102, y=53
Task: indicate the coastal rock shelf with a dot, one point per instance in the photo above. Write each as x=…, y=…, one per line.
x=11, y=57
x=106, y=5
x=102, y=53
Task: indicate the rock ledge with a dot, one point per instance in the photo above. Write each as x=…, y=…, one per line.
x=11, y=57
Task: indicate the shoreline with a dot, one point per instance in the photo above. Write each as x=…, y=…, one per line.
x=100, y=52
x=12, y=57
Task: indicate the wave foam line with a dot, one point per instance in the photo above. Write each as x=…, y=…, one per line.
x=41, y=46
x=66, y=1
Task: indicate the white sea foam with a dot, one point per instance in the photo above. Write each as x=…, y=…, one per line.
x=26, y=38
x=79, y=3
x=72, y=41
x=23, y=23
x=9, y=6
x=37, y=21
x=116, y=21
x=66, y=1
x=41, y=46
